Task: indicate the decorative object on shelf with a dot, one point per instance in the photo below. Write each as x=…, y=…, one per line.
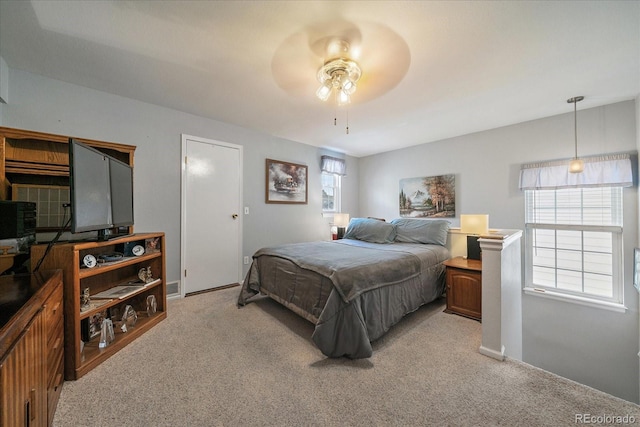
x=135, y=248
x=89, y=261
x=152, y=245
x=120, y=292
x=129, y=318
x=152, y=305
x=576, y=165
x=85, y=300
x=341, y=221
x=144, y=274
x=474, y=226
x=90, y=327
x=286, y=182
x=106, y=333
x=111, y=257
x=432, y=196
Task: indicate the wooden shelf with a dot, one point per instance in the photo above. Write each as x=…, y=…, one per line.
x=108, y=303
x=115, y=265
x=81, y=358
x=93, y=355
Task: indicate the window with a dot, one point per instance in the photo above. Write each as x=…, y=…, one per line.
x=574, y=242
x=331, y=184
x=333, y=169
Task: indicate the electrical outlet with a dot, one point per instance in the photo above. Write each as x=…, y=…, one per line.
x=246, y=260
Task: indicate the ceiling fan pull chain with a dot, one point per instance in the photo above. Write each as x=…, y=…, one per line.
x=347, y=109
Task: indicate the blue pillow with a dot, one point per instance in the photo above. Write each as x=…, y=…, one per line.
x=370, y=230
x=411, y=230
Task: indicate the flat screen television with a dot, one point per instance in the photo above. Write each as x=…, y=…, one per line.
x=101, y=191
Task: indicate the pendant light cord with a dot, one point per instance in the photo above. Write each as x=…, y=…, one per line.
x=575, y=123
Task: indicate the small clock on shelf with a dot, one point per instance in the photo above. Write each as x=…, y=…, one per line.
x=89, y=261
x=135, y=248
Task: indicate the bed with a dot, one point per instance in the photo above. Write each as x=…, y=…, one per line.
x=354, y=289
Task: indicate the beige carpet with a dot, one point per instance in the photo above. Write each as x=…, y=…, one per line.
x=212, y=364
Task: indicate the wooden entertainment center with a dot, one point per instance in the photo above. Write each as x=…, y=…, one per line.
x=81, y=356
x=33, y=164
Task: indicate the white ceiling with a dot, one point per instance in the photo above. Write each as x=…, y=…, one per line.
x=431, y=69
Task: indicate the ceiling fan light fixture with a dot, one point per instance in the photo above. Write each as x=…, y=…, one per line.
x=343, y=98
x=324, y=91
x=339, y=76
x=342, y=74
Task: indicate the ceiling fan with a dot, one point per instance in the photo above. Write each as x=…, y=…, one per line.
x=369, y=56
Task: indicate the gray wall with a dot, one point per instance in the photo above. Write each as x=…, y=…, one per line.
x=592, y=346
x=41, y=104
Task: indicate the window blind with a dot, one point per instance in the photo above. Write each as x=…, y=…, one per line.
x=573, y=206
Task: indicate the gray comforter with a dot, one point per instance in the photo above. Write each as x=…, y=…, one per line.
x=353, y=291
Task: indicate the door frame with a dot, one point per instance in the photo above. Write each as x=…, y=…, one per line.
x=183, y=202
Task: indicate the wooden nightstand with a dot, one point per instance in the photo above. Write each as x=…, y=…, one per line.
x=464, y=287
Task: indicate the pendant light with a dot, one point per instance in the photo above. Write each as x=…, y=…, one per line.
x=576, y=165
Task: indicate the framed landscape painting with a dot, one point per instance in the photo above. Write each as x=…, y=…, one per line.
x=432, y=196
x=285, y=182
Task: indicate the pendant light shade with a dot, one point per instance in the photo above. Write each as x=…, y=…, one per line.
x=576, y=165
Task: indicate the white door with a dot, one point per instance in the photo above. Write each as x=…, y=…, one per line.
x=211, y=214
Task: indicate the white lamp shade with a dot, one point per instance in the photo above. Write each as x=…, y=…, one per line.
x=341, y=219
x=474, y=224
x=576, y=166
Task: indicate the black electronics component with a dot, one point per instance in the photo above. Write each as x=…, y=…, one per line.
x=473, y=248
x=17, y=219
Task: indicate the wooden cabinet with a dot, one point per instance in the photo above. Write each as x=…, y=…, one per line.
x=82, y=356
x=54, y=326
x=464, y=287
x=31, y=343
x=39, y=162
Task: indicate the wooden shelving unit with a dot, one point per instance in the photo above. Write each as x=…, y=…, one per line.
x=80, y=357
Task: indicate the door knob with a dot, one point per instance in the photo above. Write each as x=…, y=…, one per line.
x=234, y=216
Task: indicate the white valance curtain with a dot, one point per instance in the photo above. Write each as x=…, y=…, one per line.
x=333, y=165
x=602, y=171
